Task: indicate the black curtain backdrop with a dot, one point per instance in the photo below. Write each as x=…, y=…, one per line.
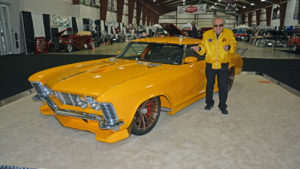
x=16, y=69
x=86, y=23
x=74, y=25
x=283, y=70
x=28, y=30
x=105, y=28
x=46, y=20
x=54, y=31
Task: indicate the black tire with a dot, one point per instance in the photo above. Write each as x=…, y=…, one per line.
x=230, y=79
x=146, y=116
x=69, y=47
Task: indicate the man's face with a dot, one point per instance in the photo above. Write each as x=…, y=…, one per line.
x=218, y=26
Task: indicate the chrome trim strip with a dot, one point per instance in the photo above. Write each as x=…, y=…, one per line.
x=148, y=64
x=102, y=123
x=79, y=115
x=73, y=103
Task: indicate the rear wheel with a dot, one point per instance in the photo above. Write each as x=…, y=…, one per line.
x=230, y=79
x=146, y=116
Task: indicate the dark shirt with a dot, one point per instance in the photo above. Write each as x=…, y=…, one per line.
x=194, y=32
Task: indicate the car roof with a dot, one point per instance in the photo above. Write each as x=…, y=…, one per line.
x=170, y=40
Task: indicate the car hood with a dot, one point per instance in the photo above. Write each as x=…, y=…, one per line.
x=171, y=29
x=97, y=77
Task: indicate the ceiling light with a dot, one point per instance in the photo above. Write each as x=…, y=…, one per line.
x=252, y=4
x=262, y=0
x=244, y=7
x=219, y=0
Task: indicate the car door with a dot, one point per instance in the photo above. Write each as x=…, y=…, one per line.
x=191, y=79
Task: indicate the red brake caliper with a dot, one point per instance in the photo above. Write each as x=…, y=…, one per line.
x=148, y=109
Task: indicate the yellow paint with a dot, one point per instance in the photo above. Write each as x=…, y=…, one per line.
x=127, y=84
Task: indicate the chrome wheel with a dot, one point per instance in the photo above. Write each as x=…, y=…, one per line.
x=92, y=45
x=295, y=48
x=230, y=79
x=69, y=48
x=146, y=116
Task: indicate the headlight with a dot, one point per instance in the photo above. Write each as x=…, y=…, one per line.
x=48, y=91
x=85, y=101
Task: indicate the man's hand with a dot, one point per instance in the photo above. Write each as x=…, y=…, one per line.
x=226, y=47
x=196, y=48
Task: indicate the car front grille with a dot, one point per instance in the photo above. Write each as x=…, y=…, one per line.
x=68, y=99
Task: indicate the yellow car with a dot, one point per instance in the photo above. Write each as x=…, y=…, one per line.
x=117, y=96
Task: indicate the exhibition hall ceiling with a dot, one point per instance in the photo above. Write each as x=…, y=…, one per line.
x=233, y=7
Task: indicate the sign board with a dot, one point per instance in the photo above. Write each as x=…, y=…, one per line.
x=192, y=9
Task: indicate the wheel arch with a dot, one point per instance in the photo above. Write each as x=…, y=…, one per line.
x=165, y=102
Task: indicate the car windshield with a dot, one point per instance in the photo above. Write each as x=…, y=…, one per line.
x=153, y=52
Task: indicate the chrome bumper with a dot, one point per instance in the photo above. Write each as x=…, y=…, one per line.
x=82, y=115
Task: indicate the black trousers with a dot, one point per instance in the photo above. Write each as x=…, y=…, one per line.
x=222, y=77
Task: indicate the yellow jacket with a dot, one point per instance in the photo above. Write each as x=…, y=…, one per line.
x=213, y=47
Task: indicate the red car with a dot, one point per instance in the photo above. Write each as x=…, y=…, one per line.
x=295, y=42
x=173, y=30
x=66, y=40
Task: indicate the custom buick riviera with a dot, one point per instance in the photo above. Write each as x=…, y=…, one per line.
x=117, y=96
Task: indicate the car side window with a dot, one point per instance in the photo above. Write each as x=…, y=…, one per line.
x=191, y=52
x=135, y=50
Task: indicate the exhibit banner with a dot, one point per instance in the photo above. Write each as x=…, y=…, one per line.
x=192, y=9
x=60, y=22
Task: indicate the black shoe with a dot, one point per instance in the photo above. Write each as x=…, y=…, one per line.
x=224, y=111
x=207, y=107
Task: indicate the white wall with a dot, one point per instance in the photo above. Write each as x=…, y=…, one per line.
x=14, y=6
x=61, y=8
x=290, y=8
x=263, y=18
x=203, y=20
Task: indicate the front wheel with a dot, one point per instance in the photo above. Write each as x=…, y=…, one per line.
x=295, y=47
x=230, y=79
x=92, y=45
x=146, y=116
x=69, y=47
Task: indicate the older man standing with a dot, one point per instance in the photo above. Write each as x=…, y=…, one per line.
x=217, y=44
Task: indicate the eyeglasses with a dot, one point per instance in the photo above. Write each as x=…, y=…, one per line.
x=221, y=25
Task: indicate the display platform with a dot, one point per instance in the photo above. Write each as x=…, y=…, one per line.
x=261, y=131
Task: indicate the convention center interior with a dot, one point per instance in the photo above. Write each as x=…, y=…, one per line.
x=150, y=84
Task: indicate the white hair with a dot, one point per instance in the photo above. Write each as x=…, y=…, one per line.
x=218, y=17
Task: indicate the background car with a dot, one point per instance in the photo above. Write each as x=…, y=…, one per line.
x=272, y=38
x=295, y=42
x=116, y=97
x=68, y=41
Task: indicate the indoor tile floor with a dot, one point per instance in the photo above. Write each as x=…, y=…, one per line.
x=261, y=131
